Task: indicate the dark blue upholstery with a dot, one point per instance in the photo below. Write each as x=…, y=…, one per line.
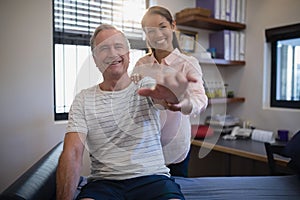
x=38, y=182
x=244, y=187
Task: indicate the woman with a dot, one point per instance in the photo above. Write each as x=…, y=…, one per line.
x=165, y=53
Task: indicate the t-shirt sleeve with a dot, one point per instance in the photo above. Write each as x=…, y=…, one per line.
x=77, y=121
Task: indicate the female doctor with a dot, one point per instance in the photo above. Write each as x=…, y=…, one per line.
x=165, y=56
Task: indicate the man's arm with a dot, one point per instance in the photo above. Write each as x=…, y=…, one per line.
x=69, y=166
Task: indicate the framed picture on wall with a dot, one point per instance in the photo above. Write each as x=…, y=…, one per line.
x=187, y=40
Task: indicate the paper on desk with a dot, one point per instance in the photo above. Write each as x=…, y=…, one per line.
x=263, y=136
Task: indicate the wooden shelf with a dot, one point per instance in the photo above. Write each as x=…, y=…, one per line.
x=222, y=62
x=225, y=100
x=208, y=23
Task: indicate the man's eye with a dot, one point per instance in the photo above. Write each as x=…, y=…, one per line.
x=102, y=48
x=119, y=46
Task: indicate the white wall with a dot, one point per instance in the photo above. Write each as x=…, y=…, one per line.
x=28, y=130
x=27, y=127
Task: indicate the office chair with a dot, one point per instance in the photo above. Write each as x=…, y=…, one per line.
x=277, y=149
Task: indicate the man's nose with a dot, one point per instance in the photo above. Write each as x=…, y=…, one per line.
x=112, y=51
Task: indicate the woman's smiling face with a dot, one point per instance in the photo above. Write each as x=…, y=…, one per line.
x=159, y=32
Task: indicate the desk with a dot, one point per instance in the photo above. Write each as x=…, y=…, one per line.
x=230, y=157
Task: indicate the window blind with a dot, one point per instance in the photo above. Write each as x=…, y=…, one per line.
x=73, y=24
x=77, y=19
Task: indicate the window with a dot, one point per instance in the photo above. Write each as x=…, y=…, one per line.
x=73, y=24
x=285, y=66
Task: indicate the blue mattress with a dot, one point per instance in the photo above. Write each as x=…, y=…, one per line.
x=257, y=187
x=240, y=188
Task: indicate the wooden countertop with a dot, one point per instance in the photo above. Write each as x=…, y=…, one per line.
x=246, y=148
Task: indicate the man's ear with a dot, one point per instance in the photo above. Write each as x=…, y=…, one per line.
x=94, y=58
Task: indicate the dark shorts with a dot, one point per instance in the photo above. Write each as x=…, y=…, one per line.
x=147, y=187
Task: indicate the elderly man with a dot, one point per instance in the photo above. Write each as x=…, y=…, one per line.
x=119, y=122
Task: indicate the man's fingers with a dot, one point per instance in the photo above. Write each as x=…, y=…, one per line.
x=184, y=106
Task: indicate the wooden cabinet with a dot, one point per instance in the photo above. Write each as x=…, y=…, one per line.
x=208, y=23
x=219, y=157
x=218, y=163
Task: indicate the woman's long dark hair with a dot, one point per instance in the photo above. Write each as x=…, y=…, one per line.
x=159, y=10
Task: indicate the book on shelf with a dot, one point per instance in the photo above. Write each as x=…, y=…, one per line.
x=240, y=11
x=238, y=7
x=243, y=12
x=228, y=10
x=228, y=44
x=232, y=45
x=220, y=41
x=223, y=9
x=237, y=46
x=232, y=17
x=242, y=46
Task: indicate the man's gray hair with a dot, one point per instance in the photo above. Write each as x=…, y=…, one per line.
x=103, y=27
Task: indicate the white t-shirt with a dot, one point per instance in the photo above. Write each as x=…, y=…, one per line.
x=123, y=132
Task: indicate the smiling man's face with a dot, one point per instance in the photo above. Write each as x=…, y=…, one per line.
x=111, y=53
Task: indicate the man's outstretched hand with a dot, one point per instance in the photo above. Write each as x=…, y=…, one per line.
x=170, y=88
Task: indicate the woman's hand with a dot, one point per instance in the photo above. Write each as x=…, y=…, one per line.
x=185, y=106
